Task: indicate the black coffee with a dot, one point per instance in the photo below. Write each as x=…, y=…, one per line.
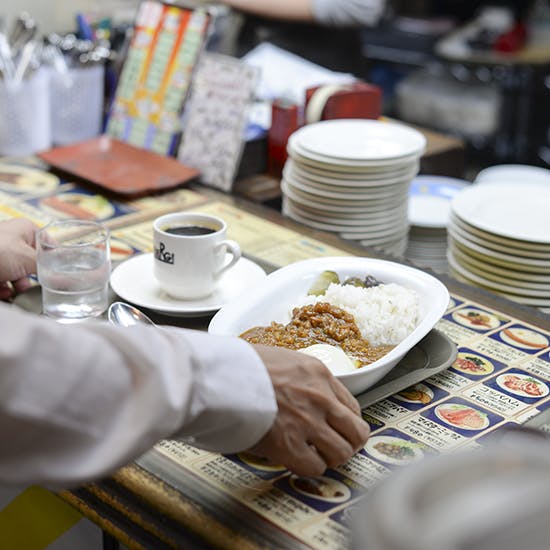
x=190, y=230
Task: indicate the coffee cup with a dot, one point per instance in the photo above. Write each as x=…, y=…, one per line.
x=191, y=253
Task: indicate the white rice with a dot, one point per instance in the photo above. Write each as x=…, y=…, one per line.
x=385, y=314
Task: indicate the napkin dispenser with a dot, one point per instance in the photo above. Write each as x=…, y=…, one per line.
x=354, y=100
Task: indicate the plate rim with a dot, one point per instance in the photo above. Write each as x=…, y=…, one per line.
x=169, y=311
x=350, y=123
x=475, y=195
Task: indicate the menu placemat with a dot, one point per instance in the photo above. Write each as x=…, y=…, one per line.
x=501, y=378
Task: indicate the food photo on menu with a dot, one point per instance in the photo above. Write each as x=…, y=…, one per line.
x=394, y=450
x=20, y=180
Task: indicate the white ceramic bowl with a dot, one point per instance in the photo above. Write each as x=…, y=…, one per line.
x=273, y=299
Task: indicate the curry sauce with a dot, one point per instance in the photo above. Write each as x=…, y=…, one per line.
x=319, y=323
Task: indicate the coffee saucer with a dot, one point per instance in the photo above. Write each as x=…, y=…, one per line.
x=133, y=281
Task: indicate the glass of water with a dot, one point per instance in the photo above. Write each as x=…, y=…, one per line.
x=73, y=268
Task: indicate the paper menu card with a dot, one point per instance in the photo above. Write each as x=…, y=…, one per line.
x=156, y=76
x=216, y=117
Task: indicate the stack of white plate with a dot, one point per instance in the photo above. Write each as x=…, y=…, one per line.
x=499, y=239
x=352, y=177
x=429, y=210
x=519, y=173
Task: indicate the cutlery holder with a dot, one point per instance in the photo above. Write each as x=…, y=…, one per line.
x=25, y=115
x=77, y=104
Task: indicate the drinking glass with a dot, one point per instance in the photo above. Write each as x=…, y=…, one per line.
x=73, y=268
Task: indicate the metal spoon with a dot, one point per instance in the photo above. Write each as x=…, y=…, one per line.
x=124, y=315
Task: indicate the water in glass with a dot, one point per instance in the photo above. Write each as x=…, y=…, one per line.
x=74, y=283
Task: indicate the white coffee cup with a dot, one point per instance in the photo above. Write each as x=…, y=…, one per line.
x=190, y=253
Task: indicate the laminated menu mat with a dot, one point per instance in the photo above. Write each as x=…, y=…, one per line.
x=500, y=378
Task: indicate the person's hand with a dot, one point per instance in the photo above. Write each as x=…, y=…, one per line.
x=319, y=424
x=17, y=256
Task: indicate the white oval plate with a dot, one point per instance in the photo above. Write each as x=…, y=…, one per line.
x=336, y=172
x=430, y=199
x=351, y=180
x=272, y=299
x=415, y=452
x=514, y=210
x=504, y=241
x=515, y=252
x=322, y=488
x=295, y=150
x=513, y=172
x=360, y=139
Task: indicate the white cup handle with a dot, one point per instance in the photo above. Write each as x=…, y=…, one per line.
x=234, y=249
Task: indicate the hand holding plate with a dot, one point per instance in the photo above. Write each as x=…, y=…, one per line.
x=318, y=424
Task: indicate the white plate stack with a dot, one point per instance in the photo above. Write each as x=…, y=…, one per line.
x=513, y=172
x=429, y=210
x=352, y=177
x=499, y=239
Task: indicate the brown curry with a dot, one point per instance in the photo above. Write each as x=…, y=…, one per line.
x=319, y=323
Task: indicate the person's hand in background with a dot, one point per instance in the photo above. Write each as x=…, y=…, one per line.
x=17, y=256
x=318, y=423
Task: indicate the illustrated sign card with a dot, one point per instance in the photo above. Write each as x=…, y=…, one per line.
x=216, y=117
x=156, y=76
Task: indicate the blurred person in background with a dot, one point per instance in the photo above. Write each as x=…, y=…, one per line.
x=323, y=12
x=325, y=32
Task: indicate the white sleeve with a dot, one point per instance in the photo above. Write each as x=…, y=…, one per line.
x=348, y=12
x=78, y=401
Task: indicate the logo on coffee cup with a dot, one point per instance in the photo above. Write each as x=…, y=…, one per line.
x=163, y=255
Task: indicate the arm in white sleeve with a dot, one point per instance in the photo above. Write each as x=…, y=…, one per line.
x=339, y=13
x=78, y=401
x=326, y=12
x=290, y=10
